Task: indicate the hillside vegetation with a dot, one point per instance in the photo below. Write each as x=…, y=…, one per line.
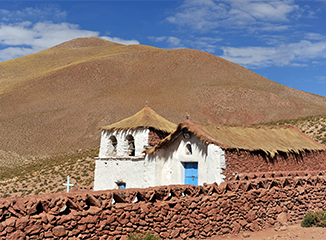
x=53, y=102
x=313, y=126
x=47, y=175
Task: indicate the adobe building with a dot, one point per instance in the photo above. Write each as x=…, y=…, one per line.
x=219, y=152
x=146, y=150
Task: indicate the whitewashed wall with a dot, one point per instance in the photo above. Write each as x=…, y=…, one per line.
x=129, y=170
x=169, y=167
x=140, y=140
x=165, y=168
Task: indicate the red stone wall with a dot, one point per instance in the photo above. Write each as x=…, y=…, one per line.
x=254, y=162
x=155, y=136
x=172, y=212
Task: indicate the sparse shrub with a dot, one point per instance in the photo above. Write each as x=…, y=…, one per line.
x=6, y=195
x=312, y=219
x=139, y=236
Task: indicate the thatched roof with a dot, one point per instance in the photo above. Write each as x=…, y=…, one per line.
x=270, y=139
x=145, y=118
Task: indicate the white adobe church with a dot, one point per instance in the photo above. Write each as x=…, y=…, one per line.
x=146, y=150
x=123, y=162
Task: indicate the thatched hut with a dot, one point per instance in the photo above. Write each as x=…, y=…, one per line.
x=121, y=158
x=196, y=153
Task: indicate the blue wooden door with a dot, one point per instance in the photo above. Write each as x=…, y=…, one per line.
x=191, y=173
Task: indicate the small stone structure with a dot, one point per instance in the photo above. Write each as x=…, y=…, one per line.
x=246, y=203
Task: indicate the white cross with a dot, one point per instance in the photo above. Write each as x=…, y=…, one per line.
x=68, y=184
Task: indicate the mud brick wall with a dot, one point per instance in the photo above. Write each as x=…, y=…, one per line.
x=239, y=161
x=155, y=136
x=172, y=212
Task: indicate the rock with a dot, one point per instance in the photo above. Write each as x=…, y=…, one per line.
x=59, y=231
x=174, y=233
x=89, y=219
x=254, y=226
x=251, y=216
x=246, y=235
x=17, y=235
x=22, y=222
x=236, y=228
x=164, y=235
x=33, y=229
x=282, y=218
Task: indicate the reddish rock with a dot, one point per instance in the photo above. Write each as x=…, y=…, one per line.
x=52, y=219
x=48, y=234
x=236, y=228
x=88, y=219
x=243, y=222
x=75, y=232
x=208, y=228
x=282, y=218
x=66, y=218
x=10, y=222
x=164, y=235
x=17, y=235
x=32, y=229
x=174, y=233
x=185, y=223
x=177, y=207
x=124, y=218
x=22, y=222
x=82, y=227
x=251, y=216
x=254, y=226
x=59, y=231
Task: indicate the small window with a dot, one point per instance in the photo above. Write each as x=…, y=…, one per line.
x=131, y=145
x=114, y=143
x=122, y=185
x=186, y=133
x=188, y=149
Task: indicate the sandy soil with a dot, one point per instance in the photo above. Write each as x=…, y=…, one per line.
x=293, y=232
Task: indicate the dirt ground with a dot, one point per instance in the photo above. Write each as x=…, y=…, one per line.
x=292, y=232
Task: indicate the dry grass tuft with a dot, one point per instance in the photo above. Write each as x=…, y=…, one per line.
x=47, y=175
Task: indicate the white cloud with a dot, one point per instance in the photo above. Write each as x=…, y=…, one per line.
x=321, y=79
x=121, y=41
x=157, y=39
x=204, y=15
x=14, y=52
x=206, y=44
x=174, y=41
x=25, y=38
x=294, y=54
x=37, y=14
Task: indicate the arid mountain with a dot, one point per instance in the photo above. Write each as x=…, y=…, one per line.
x=54, y=101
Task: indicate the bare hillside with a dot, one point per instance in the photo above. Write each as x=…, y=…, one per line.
x=54, y=101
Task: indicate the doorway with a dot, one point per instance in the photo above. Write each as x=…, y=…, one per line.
x=191, y=173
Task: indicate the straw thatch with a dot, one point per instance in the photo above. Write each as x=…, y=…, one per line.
x=270, y=139
x=145, y=118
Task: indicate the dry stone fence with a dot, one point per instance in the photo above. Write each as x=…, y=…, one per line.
x=245, y=203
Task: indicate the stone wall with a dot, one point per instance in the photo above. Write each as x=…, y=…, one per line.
x=239, y=161
x=247, y=203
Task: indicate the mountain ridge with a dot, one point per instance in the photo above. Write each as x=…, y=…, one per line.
x=54, y=101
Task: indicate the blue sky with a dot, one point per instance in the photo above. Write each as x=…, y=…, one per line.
x=284, y=41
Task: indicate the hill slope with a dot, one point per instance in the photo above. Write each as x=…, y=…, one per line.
x=55, y=100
